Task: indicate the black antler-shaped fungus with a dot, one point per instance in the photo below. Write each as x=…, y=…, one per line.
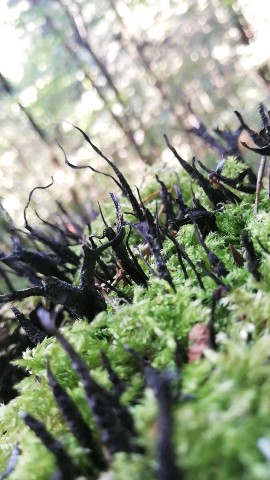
x=113, y=419
x=65, y=465
x=75, y=422
x=261, y=139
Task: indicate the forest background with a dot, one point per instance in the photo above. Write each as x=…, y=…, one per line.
x=124, y=71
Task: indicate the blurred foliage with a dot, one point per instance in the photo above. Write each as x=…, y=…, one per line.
x=124, y=71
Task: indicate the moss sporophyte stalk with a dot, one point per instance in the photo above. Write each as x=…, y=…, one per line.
x=139, y=347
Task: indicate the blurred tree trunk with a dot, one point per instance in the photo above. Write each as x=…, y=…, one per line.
x=125, y=39
x=246, y=35
x=124, y=126
x=80, y=34
x=8, y=88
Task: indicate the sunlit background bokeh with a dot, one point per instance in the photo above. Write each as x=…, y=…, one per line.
x=124, y=71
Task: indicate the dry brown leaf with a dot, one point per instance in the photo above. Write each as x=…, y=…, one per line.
x=198, y=341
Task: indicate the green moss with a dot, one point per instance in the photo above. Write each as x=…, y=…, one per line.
x=216, y=434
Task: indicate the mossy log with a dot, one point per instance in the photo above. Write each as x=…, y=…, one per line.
x=161, y=370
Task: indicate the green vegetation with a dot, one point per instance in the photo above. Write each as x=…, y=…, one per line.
x=164, y=296
x=220, y=410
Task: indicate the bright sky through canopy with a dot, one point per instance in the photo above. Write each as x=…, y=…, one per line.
x=12, y=51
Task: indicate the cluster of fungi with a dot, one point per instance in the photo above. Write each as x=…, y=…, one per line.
x=48, y=262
